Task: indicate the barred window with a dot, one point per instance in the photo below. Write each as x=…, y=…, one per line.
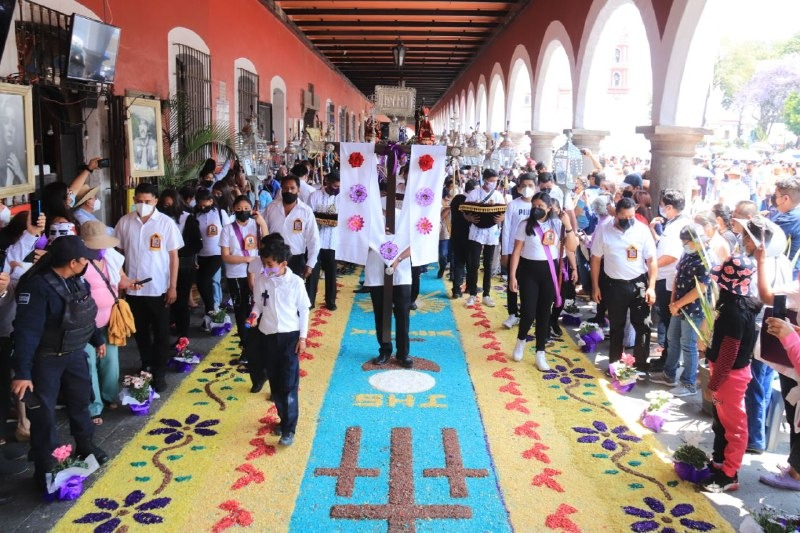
x=331, y=115
x=193, y=77
x=248, y=96
x=342, y=125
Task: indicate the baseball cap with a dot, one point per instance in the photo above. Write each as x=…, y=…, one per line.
x=634, y=180
x=67, y=248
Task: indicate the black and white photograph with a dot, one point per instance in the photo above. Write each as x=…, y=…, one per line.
x=144, y=137
x=16, y=140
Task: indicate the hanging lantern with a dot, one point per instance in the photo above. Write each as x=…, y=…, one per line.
x=399, y=52
x=567, y=163
x=290, y=154
x=506, y=151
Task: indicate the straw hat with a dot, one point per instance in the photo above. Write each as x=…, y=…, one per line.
x=85, y=193
x=94, y=233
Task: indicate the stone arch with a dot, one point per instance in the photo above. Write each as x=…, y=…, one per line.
x=185, y=36
x=598, y=16
x=520, y=79
x=462, y=111
x=482, y=105
x=470, y=118
x=277, y=88
x=556, y=46
x=497, y=100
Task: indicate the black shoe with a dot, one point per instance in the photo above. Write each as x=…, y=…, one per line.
x=719, y=482
x=331, y=307
x=754, y=451
x=381, y=359
x=242, y=361
x=257, y=387
x=278, y=432
x=12, y=468
x=14, y=451
x=457, y=295
x=159, y=383
x=87, y=448
x=413, y=306
x=407, y=362
x=657, y=365
x=555, y=331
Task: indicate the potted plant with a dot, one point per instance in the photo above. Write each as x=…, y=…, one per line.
x=65, y=481
x=217, y=322
x=691, y=463
x=137, y=393
x=655, y=414
x=770, y=520
x=589, y=336
x=623, y=374
x=184, y=358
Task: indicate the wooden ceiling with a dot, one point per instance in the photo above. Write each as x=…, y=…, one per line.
x=441, y=38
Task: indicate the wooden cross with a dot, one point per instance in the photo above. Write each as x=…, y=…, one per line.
x=348, y=469
x=454, y=470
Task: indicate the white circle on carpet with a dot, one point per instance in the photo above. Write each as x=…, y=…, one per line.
x=402, y=381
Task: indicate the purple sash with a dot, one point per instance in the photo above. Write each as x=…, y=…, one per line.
x=556, y=283
x=239, y=237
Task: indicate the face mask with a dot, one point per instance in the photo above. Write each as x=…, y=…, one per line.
x=688, y=248
x=144, y=210
x=101, y=254
x=60, y=229
x=97, y=205
x=527, y=193
x=83, y=270
x=193, y=203
x=271, y=272
x=208, y=183
x=242, y=216
x=333, y=192
x=206, y=209
x=662, y=211
x=625, y=223
x=538, y=213
x=71, y=199
x=289, y=198
x=489, y=186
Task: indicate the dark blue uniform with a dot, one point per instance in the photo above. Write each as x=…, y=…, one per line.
x=49, y=327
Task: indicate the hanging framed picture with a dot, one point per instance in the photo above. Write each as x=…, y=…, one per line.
x=16, y=140
x=145, y=143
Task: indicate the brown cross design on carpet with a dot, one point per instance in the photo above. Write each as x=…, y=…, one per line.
x=455, y=472
x=348, y=469
x=402, y=512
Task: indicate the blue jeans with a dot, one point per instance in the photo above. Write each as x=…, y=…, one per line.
x=682, y=340
x=756, y=401
x=105, y=376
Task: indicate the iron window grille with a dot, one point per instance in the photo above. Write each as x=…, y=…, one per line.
x=248, y=97
x=193, y=85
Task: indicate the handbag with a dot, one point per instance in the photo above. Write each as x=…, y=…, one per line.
x=771, y=348
x=121, y=324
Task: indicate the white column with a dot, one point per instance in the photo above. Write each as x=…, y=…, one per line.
x=542, y=146
x=590, y=139
x=672, y=149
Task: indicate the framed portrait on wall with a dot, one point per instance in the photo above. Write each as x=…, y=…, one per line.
x=145, y=143
x=16, y=140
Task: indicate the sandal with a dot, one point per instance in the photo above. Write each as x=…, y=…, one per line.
x=97, y=420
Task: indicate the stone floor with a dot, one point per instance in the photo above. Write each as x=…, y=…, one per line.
x=689, y=422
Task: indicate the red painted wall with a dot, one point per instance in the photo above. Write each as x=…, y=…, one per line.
x=231, y=29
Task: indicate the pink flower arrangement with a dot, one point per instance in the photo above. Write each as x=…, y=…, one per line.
x=138, y=387
x=424, y=226
x=425, y=163
x=62, y=453
x=355, y=159
x=182, y=344
x=627, y=359
x=355, y=223
x=63, y=456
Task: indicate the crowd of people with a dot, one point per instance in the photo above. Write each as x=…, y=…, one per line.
x=650, y=260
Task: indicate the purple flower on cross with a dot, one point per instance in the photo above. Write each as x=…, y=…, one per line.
x=358, y=193
x=610, y=436
x=656, y=518
x=389, y=250
x=424, y=197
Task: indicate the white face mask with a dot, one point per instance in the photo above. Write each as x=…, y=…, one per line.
x=527, y=193
x=193, y=203
x=97, y=204
x=5, y=217
x=144, y=210
x=489, y=185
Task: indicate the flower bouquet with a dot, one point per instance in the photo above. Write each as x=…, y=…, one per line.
x=655, y=414
x=184, y=358
x=571, y=315
x=691, y=463
x=770, y=520
x=137, y=393
x=65, y=481
x=218, y=323
x=623, y=373
x=589, y=336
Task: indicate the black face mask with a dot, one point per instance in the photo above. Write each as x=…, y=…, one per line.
x=289, y=198
x=242, y=216
x=626, y=223
x=207, y=183
x=332, y=191
x=538, y=213
x=206, y=209
x=83, y=271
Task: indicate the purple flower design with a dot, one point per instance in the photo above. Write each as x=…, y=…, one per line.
x=566, y=376
x=358, y=193
x=175, y=431
x=600, y=430
x=218, y=369
x=656, y=518
x=112, y=512
x=389, y=250
x=425, y=197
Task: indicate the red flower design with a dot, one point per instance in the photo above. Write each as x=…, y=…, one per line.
x=425, y=163
x=355, y=159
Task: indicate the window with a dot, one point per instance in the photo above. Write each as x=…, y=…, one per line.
x=616, y=80
x=617, y=55
x=193, y=84
x=331, y=115
x=248, y=96
x=342, y=124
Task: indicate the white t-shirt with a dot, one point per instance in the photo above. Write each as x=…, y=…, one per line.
x=671, y=244
x=533, y=246
x=298, y=228
x=624, y=253
x=306, y=190
x=230, y=240
x=489, y=236
x=211, y=225
x=374, y=271
x=146, y=248
x=517, y=211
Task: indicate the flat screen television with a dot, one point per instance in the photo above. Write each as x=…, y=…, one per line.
x=6, y=17
x=93, y=50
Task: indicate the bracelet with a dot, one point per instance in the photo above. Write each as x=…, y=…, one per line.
x=569, y=230
x=87, y=169
x=302, y=339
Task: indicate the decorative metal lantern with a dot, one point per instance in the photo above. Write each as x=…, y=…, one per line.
x=506, y=151
x=290, y=154
x=567, y=163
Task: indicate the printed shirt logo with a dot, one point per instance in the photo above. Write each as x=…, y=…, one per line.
x=24, y=298
x=250, y=242
x=297, y=227
x=155, y=242
x=212, y=230
x=632, y=253
x=549, y=238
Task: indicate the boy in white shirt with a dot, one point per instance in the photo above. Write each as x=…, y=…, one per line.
x=281, y=302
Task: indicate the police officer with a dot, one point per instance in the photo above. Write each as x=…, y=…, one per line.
x=54, y=322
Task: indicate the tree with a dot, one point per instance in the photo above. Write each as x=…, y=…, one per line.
x=767, y=92
x=736, y=66
x=791, y=113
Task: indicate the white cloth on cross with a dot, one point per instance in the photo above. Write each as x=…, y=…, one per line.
x=360, y=202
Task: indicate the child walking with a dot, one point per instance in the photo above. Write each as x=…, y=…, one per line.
x=281, y=303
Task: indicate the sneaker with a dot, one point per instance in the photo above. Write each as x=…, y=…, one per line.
x=541, y=362
x=457, y=295
x=470, y=302
x=784, y=480
x=684, y=389
x=287, y=439
x=487, y=301
x=555, y=331
x=720, y=482
x=519, y=351
x=511, y=321
x=663, y=379
x=418, y=304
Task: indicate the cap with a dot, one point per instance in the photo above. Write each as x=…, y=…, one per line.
x=67, y=248
x=734, y=275
x=757, y=229
x=95, y=235
x=635, y=180
x=85, y=193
